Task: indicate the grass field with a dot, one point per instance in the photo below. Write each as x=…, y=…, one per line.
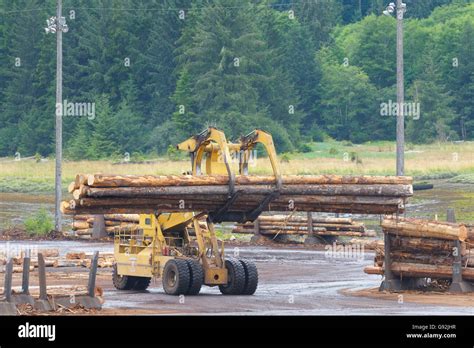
x=443, y=160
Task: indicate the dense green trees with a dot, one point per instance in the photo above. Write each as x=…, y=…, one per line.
x=158, y=71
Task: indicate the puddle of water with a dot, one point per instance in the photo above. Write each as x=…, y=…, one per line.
x=15, y=208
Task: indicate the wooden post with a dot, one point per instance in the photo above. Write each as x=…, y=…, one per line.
x=458, y=284
x=92, y=275
x=390, y=282
x=450, y=215
x=98, y=229
x=42, y=278
x=25, y=284
x=7, y=289
x=256, y=227
x=42, y=303
x=311, y=238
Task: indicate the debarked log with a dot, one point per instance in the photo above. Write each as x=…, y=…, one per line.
x=424, y=229
x=101, y=180
x=421, y=271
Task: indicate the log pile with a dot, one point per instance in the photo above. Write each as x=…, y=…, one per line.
x=424, y=249
x=114, y=194
x=52, y=259
x=301, y=225
x=82, y=225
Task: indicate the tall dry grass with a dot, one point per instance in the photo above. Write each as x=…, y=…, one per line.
x=374, y=159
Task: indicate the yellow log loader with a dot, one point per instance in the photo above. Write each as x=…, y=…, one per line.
x=182, y=248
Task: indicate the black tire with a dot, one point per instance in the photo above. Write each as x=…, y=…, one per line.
x=122, y=282
x=176, y=277
x=141, y=283
x=196, y=277
x=251, y=277
x=236, y=278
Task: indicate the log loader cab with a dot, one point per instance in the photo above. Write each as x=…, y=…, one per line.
x=182, y=248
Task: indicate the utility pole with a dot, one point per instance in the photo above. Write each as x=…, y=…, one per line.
x=58, y=25
x=400, y=92
x=400, y=11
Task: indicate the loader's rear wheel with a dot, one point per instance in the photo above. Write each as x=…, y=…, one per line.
x=236, y=278
x=196, y=277
x=176, y=277
x=122, y=282
x=251, y=277
x=141, y=283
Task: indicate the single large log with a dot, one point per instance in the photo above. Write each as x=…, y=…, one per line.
x=400, y=256
x=430, y=259
x=79, y=225
x=219, y=201
x=304, y=219
x=376, y=270
x=419, y=245
x=321, y=190
x=100, y=180
x=97, y=206
x=84, y=217
x=424, y=229
x=123, y=217
x=168, y=208
x=421, y=271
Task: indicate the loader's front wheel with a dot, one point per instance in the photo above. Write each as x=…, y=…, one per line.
x=251, y=277
x=122, y=282
x=176, y=277
x=235, y=278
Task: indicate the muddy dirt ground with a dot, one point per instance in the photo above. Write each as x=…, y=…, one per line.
x=292, y=281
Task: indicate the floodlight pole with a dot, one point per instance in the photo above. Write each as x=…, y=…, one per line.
x=59, y=121
x=400, y=91
x=57, y=25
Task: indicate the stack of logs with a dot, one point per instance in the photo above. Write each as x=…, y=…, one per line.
x=425, y=249
x=83, y=225
x=53, y=259
x=303, y=225
x=114, y=194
